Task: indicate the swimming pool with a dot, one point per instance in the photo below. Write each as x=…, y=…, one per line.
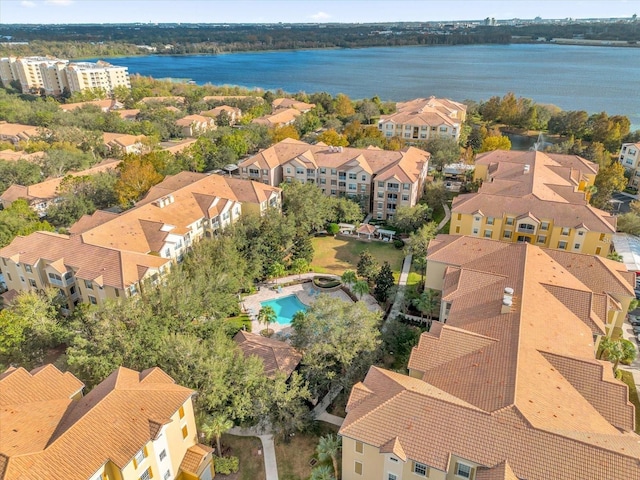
x=285, y=308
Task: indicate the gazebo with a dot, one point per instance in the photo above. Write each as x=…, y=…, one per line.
x=386, y=235
x=366, y=229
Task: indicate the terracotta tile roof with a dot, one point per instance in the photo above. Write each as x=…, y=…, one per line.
x=18, y=130
x=191, y=119
x=548, y=190
x=128, y=114
x=427, y=111
x=277, y=356
x=194, y=457
x=214, y=112
x=13, y=156
x=87, y=222
x=292, y=103
x=406, y=165
x=367, y=229
x=176, y=147
x=170, y=99
x=121, y=139
x=502, y=471
x=394, y=446
x=106, y=266
x=143, y=228
x=48, y=189
x=524, y=373
x=282, y=116
x=67, y=440
x=101, y=104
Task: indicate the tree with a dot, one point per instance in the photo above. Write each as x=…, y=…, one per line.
x=137, y=176
x=338, y=339
x=629, y=223
x=333, y=138
x=267, y=315
x=499, y=142
x=285, y=131
x=609, y=179
x=322, y=472
x=309, y=208
x=276, y=270
x=435, y=194
x=615, y=256
x=285, y=404
x=409, y=218
x=349, y=277
x=426, y=302
x=19, y=219
x=302, y=248
x=621, y=351
x=299, y=266
x=69, y=209
x=443, y=150
x=367, y=266
x=20, y=172
x=343, y=106
x=360, y=288
x=384, y=283
x=329, y=449
x=214, y=427
x=369, y=110
x=420, y=263
x=419, y=240
x=345, y=210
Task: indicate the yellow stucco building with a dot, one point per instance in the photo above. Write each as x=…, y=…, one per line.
x=536, y=198
x=132, y=426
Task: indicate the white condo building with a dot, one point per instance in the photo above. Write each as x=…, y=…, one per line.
x=53, y=75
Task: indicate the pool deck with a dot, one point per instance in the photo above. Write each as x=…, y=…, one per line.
x=252, y=303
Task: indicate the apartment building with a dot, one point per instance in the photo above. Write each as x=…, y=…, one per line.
x=194, y=125
x=278, y=118
x=16, y=132
x=132, y=426
x=41, y=196
x=537, y=198
x=119, y=143
x=110, y=255
x=380, y=180
x=53, y=75
x=424, y=118
x=630, y=159
x=292, y=103
x=233, y=114
x=508, y=388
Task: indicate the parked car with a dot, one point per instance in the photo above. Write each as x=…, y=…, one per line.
x=636, y=330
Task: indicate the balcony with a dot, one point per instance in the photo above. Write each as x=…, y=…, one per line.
x=526, y=229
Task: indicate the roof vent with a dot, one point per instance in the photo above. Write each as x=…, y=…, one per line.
x=507, y=300
x=508, y=290
x=339, y=149
x=527, y=168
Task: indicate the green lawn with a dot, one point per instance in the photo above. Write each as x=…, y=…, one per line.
x=337, y=254
x=293, y=458
x=633, y=395
x=251, y=464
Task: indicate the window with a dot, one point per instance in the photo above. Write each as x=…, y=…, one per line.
x=140, y=456
x=167, y=475
x=565, y=231
x=379, y=205
x=352, y=186
x=380, y=194
x=544, y=226
x=598, y=250
x=32, y=282
x=21, y=278
x=8, y=276
x=323, y=181
x=133, y=289
x=323, y=171
x=509, y=221
x=459, y=216
x=288, y=169
x=363, y=177
x=477, y=219
x=392, y=477
x=185, y=432
x=93, y=300
x=420, y=469
x=359, y=447
x=55, y=278
x=88, y=284
x=507, y=234
x=577, y=246
x=490, y=220
x=562, y=245
x=163, y=454
x=602, y=237
x=393, y=459
x=353, y=176
x=541, y=239
x=487, y=234
x=457, y=229
x=27, y=268
x=358, y=468
x=475, y=231
x=334, y=182
x=299, y=171
x=363, y=188
x=334, y=171
x=381, y=184
x=72, y=290
x=146, y=475
x=405, y=198
x=406, y=186
x=463, y=470
x=181, y=412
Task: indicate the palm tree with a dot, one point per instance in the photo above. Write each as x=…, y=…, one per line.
x=590, y=191
x=349, y=277
x=276, y=270
x=421, y=264
x=214, y=427
x=322, y=472
x=426, y=303
x=360, y=288
x=299, y=266
x=615, y=256
x=604, y=346
x=329, y=448
x=267, y=315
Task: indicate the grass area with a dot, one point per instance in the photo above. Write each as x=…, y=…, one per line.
x=627, y=378
x=337, y=254
x=246, y=449
x=294, y=457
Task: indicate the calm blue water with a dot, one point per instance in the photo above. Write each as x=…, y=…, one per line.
x=594, y=79
x=285, y=308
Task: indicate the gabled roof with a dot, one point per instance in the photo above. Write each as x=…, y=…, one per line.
x=277, y=356
x=45, y=434
x=520, y=375
x=406, y=165
x=427, y=111
x=280, y=116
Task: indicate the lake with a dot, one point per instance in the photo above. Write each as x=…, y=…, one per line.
x=572, y=77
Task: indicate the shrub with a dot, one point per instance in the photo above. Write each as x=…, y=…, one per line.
x=398, y=243
x=225, y=465
x=333, y=228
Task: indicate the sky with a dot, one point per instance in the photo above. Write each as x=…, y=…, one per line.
x=302, y=11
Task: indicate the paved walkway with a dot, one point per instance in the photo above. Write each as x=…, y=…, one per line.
x=634, y=368
x=447, y=217
x=268, y=448
x=402, y=285
x=320, y=410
